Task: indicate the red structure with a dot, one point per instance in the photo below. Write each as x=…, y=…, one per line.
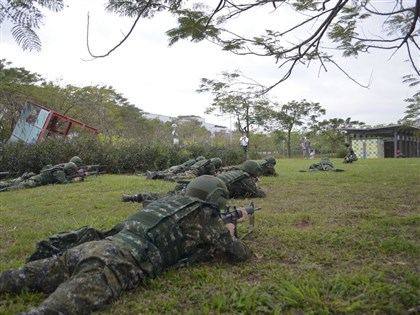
x=37, y=123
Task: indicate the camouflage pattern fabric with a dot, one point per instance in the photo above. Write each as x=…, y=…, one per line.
x=173, y=170
x=87, y=277
x=267, y=168
x=60, y=242
x=350, y=156
x=203, y=167
x=241, y=185
x=148, y=197
x=53, y=175
x=325, y=165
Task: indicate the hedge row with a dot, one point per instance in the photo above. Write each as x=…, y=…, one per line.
x=121, y=156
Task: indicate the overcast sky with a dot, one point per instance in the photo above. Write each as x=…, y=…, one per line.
x=162, y=80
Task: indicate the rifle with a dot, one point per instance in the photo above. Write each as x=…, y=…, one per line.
x=92, y=166
x=6, y=174
x=85, y=174
x=233, y=216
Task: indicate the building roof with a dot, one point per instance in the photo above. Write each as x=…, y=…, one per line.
x=383, y=131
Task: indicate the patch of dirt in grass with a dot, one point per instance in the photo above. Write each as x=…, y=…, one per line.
x=303, y=223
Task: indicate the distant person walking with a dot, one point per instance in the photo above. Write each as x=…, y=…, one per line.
x=306, y=148
x=243, y=141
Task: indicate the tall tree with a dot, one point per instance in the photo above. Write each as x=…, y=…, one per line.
x=237, y=96
x=294, y=115
x=412, y=113
x=331, y=131
x=192, y=131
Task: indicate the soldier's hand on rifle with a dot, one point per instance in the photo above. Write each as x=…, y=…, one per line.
x=245, y=215
x=231, y=227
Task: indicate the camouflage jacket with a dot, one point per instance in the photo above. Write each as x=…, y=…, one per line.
x=52, y=175
x=267, y=168
x=241, y=185
x=175, y=229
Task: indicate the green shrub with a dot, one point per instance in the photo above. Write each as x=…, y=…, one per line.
x=121, y=156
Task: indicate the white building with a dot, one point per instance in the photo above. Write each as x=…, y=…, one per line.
x=211, y=127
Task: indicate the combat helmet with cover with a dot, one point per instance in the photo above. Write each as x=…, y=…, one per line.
x=70, y=168
x=217, y=162
x=271, y=160
x=210, y=189
x=76, y=160
x=252, y=168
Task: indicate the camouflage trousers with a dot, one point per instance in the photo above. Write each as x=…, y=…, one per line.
x=80, y=281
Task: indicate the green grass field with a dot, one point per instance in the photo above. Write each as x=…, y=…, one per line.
x=324, y=243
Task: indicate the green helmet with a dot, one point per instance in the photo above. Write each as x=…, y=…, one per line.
x=200, y=158
x=217, y=162
x=271, y=160
x=210, y=189
x=70, y=168
x=252, y=168
x=76, y=160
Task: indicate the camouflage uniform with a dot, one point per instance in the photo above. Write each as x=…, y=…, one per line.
x=350, y=155
x=241, y=184
x=166, y=233
x=173, y=170
x=53, y=175
x=149, y=197
x=324, y=165
x=267, y=168
x=202, y=167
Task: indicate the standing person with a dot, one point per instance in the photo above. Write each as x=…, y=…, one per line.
x=167, y=233
x=243, y=141
x=306, y=147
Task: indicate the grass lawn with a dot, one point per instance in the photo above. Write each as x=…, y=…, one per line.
x=324, y=242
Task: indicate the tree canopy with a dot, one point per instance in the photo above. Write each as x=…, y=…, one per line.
x=316, y=30
x=26, y=17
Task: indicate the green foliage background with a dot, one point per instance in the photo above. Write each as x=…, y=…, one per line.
x=122, y=156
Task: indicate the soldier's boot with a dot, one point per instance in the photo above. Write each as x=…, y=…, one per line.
x=11, y=281
x=132, y=198
x=151, y=175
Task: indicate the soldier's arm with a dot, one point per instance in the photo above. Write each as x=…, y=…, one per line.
x=252, y=189
x=215, y=232
x=61, y=178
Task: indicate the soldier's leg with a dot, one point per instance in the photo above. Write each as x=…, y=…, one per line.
x=42, y=275
x=100, y=271
x=132, y=198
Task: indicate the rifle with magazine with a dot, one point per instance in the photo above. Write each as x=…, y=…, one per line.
x=232, y=216
x=7, y=174
x=82, y=175
x=87, y=167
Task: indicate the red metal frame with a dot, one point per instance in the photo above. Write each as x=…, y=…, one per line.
x=54, y=118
